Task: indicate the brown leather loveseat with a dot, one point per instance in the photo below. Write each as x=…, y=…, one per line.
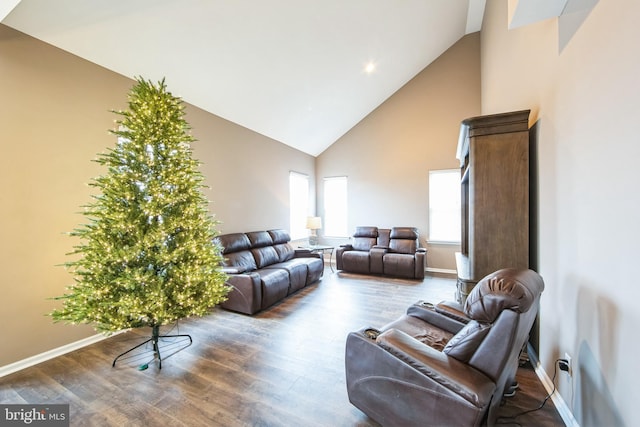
x=432, y=367
x=391, y=252
x=264, y=268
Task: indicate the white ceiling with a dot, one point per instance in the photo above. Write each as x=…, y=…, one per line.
x=292, y=70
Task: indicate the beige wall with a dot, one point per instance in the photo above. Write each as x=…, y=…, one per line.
x=54, y=118
x=388, y=155
x=248, y=173
x=585, y=98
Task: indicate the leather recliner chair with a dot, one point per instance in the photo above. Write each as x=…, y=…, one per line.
x=431, y=368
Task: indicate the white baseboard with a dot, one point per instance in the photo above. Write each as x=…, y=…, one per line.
x=42, y=357
x=556, y=398
x=440, y=270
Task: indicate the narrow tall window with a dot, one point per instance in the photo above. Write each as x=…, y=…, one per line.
x=444, y=206
x=335, y=207
x=298, y=205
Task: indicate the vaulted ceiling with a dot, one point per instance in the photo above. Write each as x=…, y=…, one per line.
x=302, y=72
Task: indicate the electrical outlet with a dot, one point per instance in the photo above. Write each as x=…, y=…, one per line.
x=569, y=367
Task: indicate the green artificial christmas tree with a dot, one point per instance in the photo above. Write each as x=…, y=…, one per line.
x=147, y=256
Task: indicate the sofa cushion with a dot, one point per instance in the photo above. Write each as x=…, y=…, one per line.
x=240, y=259
x=424, y=332
x=315, y=267
x=285, y=251
x=363, y=243
x=356, y=261
x=503, y=289
x=403, y=240
x=259, y=239
x=366, y=231
x=279, y=236
x=404, y=233
x=297, y=273
x=265, y=256
x=280, y=239
x=465, y=343
x=399, y=265
x=365, y=238
x=233, y=242
x=403, y=246
x=275, y=285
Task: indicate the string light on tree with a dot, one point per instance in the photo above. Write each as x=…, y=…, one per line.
x=146, y=256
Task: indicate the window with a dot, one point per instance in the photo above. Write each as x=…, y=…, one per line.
x=335, y=206
x=444, y=206
x=298, y=205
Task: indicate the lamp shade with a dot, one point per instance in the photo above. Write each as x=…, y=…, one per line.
x=314, y=223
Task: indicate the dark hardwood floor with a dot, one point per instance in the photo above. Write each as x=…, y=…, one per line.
x=281, y=367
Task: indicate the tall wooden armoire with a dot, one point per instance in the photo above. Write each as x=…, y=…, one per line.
x=494, y=156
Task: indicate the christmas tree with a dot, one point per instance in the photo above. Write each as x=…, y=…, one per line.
x=147, y=256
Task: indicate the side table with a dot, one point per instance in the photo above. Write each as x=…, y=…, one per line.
x=322, y=249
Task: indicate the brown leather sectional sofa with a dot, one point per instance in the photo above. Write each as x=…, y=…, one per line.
x=391, y=252
x=264, y=268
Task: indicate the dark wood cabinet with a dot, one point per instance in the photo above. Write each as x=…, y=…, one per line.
x=494, y=157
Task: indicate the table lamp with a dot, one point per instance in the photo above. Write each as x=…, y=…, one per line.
x=313, y=223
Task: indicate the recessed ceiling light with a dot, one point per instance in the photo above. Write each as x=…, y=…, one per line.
x=370, y=67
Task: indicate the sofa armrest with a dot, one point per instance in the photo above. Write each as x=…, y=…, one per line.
x=428, y=313
x=246, y=293
x=421, y=263
x=453, y=310
x=306, y=253
x=234, y=270
x=460, y=378
x=376, y=255
x=339, y=251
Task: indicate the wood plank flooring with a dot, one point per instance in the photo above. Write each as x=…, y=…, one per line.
x=281, y=367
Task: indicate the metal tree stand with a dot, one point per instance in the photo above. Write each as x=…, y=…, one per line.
x=155, y=335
